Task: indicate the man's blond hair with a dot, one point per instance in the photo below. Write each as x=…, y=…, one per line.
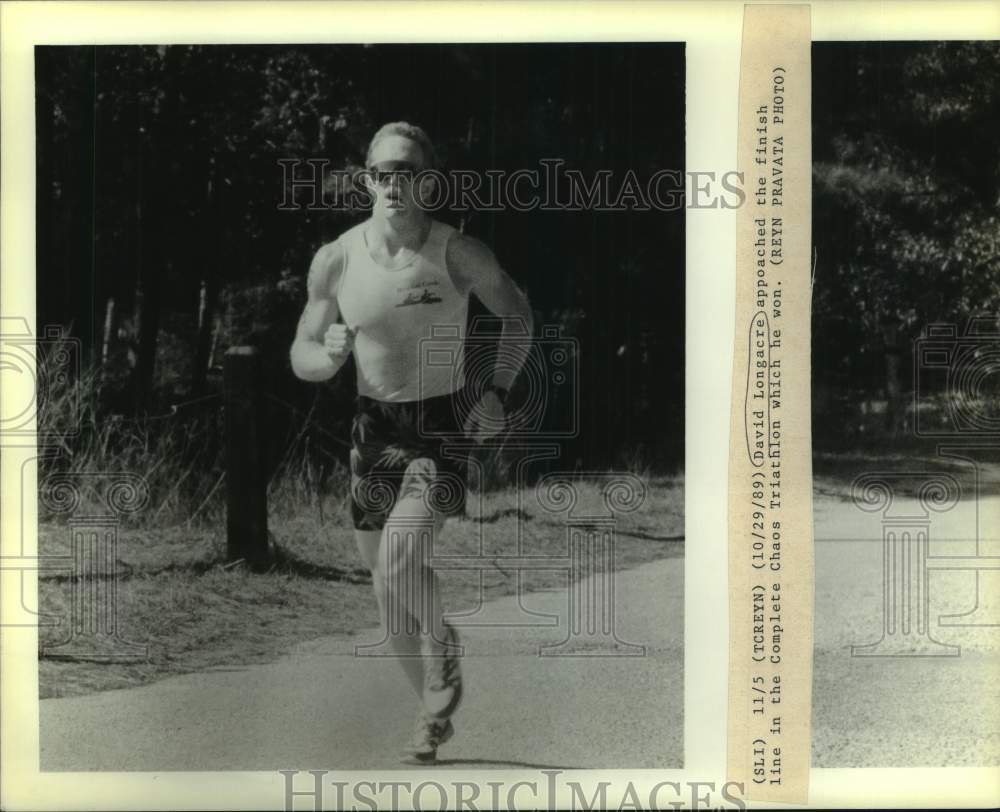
x=407, y=130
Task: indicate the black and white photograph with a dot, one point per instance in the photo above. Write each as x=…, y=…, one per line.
x=361, y=425
x=906, y=403
x=499, y=405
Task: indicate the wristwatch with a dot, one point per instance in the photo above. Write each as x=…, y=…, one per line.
x=499, y=391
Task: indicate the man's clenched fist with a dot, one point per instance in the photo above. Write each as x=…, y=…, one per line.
x=338, y=341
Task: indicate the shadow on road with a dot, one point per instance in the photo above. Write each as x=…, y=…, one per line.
x=498, y=763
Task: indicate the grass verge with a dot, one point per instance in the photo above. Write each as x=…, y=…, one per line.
x=178, y=597
x=834, y=472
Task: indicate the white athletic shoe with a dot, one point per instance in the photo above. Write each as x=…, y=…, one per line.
x=427, y=737
x=443, y=678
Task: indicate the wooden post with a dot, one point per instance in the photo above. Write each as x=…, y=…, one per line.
x=109, y=321
x=894, y=407
x=204, y=339
x=246, y=482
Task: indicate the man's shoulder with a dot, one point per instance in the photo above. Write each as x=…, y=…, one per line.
x=353, y=232
x=326, y=268
x=468, y=254
x=347, y=238
x=337, y=249
x=328, y=255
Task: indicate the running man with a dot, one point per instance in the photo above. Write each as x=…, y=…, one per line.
x=375, y=292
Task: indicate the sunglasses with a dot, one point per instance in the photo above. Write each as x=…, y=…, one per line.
x=397, y=172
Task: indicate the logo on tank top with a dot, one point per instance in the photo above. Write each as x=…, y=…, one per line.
x=425, y=296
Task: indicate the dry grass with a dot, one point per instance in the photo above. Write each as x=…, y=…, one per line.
x=834, y=473
x=178, y=597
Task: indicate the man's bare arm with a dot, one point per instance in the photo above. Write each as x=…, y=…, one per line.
x=311, y=357
x=475, y=270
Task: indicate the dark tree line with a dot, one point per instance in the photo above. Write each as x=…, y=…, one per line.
x=906, y=216
x=161, y=242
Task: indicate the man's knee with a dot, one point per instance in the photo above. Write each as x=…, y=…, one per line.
x=406, y=543
x=368, y=542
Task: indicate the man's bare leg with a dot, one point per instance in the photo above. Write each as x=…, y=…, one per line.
x=406, y=645
x=412, y=586
x=404, y=557
x=412, y=593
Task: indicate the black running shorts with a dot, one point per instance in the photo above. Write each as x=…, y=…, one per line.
x=397, y=449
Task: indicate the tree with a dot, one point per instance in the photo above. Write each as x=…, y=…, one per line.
x=906, y=194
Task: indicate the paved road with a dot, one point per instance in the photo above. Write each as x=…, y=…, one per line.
x=905, y=711
x=324, y=708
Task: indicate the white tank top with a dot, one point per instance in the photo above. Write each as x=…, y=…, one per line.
x=409, y=321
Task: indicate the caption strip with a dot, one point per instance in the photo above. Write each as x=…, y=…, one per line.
x=770, y=488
